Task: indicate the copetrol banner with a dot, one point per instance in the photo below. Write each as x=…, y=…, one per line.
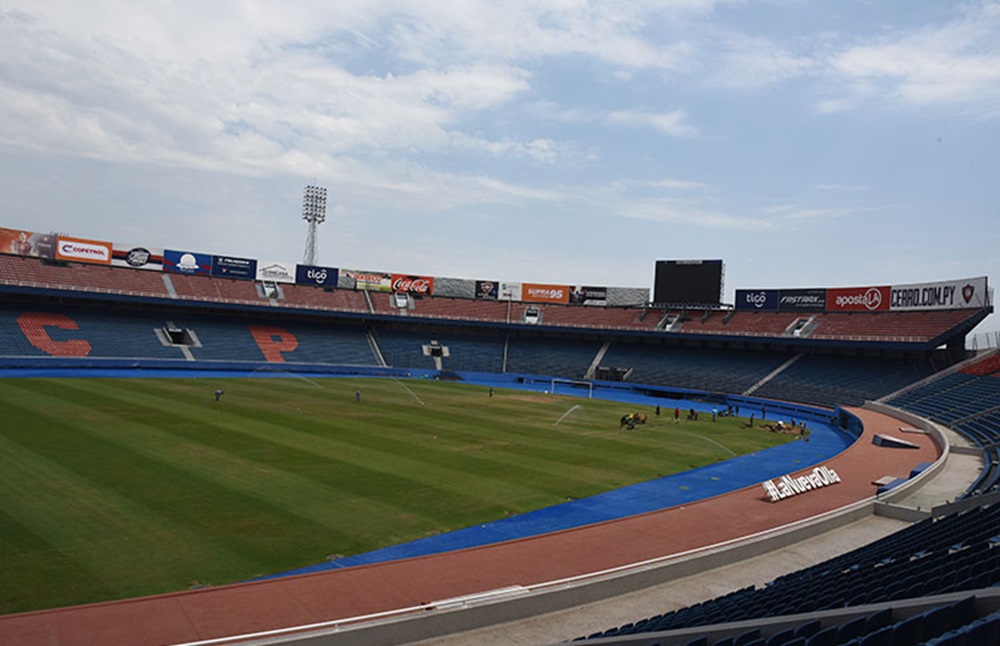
x=187, y=262
x=802, y=299
x=230, y=267
x=857, y=299
x=373, y=281
x=967, y=293
x=27, y=243
x=275, y=272
x=584, y=295
x=757, y=299
x=487, y=289
x=413, y=284
x=538, y=293
x=80, y=250
x=510, y=291
x=316, y=276
x=136, y=256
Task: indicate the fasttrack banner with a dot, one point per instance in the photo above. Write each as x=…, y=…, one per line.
x=965, y=293
x=97, y=252
x=136, y=256
x=802, y=299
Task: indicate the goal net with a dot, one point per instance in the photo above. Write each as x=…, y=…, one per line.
x=571, y=385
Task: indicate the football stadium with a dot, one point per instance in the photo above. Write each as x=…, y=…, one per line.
x=209, y=449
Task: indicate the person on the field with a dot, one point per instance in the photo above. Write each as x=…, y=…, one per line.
x=218, y=394
x=357, y=396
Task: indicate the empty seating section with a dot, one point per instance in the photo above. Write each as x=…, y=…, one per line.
x=901, y=326
x=715, y=370
x=959, y=552
x=831, y=380
x=559, y=358
x=314, y=297
x=964, y=401
x=461, y=308
x=226, y=340
x=78, y=276
x=83, y=333
x=600, y=317
x=473, y=353
x=744, y=323
x=989, y=365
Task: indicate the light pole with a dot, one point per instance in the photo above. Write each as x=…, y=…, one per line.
x=313, y=212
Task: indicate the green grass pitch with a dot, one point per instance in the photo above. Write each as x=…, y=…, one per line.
x=112, y=488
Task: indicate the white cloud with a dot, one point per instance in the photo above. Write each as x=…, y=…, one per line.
x=955, y=64
x=673, y=123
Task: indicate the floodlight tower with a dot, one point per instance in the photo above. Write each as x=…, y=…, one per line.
x=313, y=212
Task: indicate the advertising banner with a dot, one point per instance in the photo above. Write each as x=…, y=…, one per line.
x=757, y=299
x=584, y=295
x=187, y=262
x=136, y=256
x=802, y=299
x=316, y=276
x=857, y=299
x=510, y=291
x=373, y=281
x=276, y=272
x=80, y=250
x=230, y=267
x=538, y=293
x=967, y=293
x=27, y=243
x=489, y=289
x=423, y=285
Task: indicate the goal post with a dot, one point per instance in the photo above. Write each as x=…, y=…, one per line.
x=572, y=383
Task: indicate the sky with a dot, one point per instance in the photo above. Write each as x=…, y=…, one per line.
x=807, y=143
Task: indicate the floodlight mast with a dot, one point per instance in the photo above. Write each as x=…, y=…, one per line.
x=313, y=212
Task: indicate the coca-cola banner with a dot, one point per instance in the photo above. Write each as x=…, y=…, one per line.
x=757, y=299
x=423, y=285
x=857, y=299
x=275, y=271
x=136, y=256
x=802, y=299
x=538, y=293
x=316, y=276
x=372, y=281
x=966, y=293
x=489, y=289
x=80, y=250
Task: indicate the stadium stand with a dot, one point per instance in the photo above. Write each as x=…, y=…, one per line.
x=45, y=315
x=955, y=553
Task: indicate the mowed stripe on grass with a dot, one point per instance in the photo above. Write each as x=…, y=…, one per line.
x=112, y=488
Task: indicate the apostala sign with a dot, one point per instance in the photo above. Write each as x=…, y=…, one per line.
x=788, y=486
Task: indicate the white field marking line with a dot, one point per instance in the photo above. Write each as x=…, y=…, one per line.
x=708, y=439
x=407, y=389
x=566, y=414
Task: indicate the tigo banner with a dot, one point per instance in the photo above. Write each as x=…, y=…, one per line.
x=757, y=299
x=316, y=276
